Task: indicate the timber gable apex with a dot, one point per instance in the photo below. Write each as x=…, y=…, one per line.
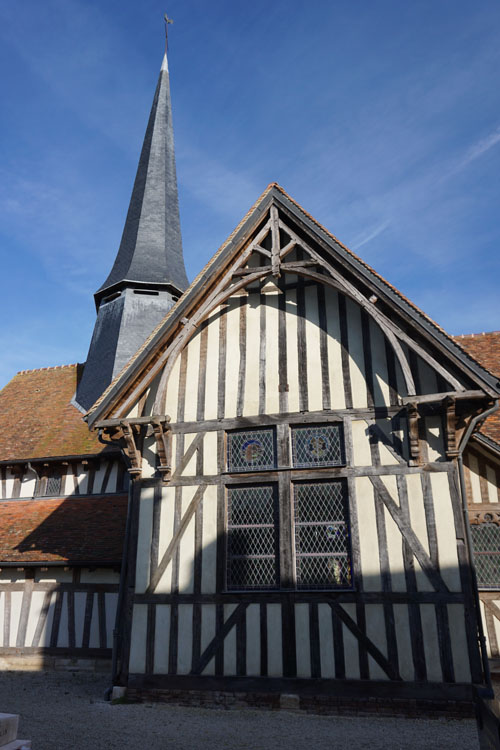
x=273, y=217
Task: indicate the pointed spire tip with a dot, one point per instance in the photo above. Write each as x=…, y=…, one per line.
x=164, y=65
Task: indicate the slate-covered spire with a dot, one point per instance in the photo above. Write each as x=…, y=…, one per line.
x=148, y=274
x=151, y=246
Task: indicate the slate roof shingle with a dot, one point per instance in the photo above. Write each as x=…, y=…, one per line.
x=70, y=530
x=37, y=419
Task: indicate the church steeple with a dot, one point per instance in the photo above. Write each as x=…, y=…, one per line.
x=148, y=274
x=151, y=246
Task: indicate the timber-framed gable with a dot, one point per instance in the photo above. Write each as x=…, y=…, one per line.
x=230, y=585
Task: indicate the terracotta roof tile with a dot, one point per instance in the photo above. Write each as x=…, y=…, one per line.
x=485, y=348
x=69, y=530
x=37, y=419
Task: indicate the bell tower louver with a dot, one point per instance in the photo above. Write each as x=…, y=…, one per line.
x=148, y=274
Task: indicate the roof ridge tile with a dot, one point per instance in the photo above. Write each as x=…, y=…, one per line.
x=42, y=369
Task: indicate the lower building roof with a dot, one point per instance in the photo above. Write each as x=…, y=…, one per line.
x=38, y=420
x=71, y=530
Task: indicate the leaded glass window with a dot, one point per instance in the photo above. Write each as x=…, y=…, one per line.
x=486, y=543
x=53, y=484
x=322, y=547
x=252, y=537
x=320, y=445
x=251, y=450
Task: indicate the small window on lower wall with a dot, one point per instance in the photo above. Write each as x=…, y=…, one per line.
x=50, y=484
x=486, y=543
x=252, y=537
x=322, y=545
x=53, y=487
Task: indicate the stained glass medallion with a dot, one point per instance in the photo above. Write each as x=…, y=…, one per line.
x=251, y=450
x=315, y=445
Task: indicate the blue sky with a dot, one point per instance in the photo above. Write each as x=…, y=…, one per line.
x=381, y=117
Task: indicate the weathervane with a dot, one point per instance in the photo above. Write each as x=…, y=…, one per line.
x=167, y=21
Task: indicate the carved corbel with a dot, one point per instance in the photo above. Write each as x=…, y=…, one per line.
x=133, y=454
x=451, y=427
x=413, y=417
x=163, y=437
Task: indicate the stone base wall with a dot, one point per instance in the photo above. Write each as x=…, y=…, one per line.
x=42, y=663
x=313, y=704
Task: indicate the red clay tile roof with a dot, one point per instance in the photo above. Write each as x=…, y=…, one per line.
x=37, y=419
x=69, y=530
x=485, y=348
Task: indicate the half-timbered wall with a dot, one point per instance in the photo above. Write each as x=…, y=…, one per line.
x=65, y=612
x=303, y=355
x=89, y=477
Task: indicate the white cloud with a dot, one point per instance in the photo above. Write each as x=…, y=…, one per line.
x=369, y=234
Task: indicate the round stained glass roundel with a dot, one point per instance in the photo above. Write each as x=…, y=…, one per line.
x=251, y=451
x=317, y=447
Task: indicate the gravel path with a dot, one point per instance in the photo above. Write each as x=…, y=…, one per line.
x=66, y=711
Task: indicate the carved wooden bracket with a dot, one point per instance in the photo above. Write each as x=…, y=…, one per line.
x=163, y=436
x=126, y=432
x=413, y=417
x=129, y=433
x=451, y=427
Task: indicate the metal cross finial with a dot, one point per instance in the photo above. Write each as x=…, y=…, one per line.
x=167, y=21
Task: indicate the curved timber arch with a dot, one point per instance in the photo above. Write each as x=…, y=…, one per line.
x=337, y=284
x=227, y=285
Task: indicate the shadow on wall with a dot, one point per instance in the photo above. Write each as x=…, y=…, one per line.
x=374, y=631
x=380, y=629
x=72, y=530
x=61, y=600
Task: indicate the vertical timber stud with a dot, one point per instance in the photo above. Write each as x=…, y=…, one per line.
x=282, y=349
x=414, y=613
x=275, y=248
x=287, y=567
x=465, y=563
x=131, y=563
x=344, y=343
x=221, y=547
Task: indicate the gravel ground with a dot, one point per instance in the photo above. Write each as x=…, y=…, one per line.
x=66, y=711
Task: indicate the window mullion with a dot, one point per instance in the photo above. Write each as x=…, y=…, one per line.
x=285, y=521
x=287, y=563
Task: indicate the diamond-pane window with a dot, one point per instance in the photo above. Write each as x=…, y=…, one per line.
x=251, y=450
x=252, y=538
x=486, y=543
x=53, y=484
x=322, y=547
x=320, y=445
